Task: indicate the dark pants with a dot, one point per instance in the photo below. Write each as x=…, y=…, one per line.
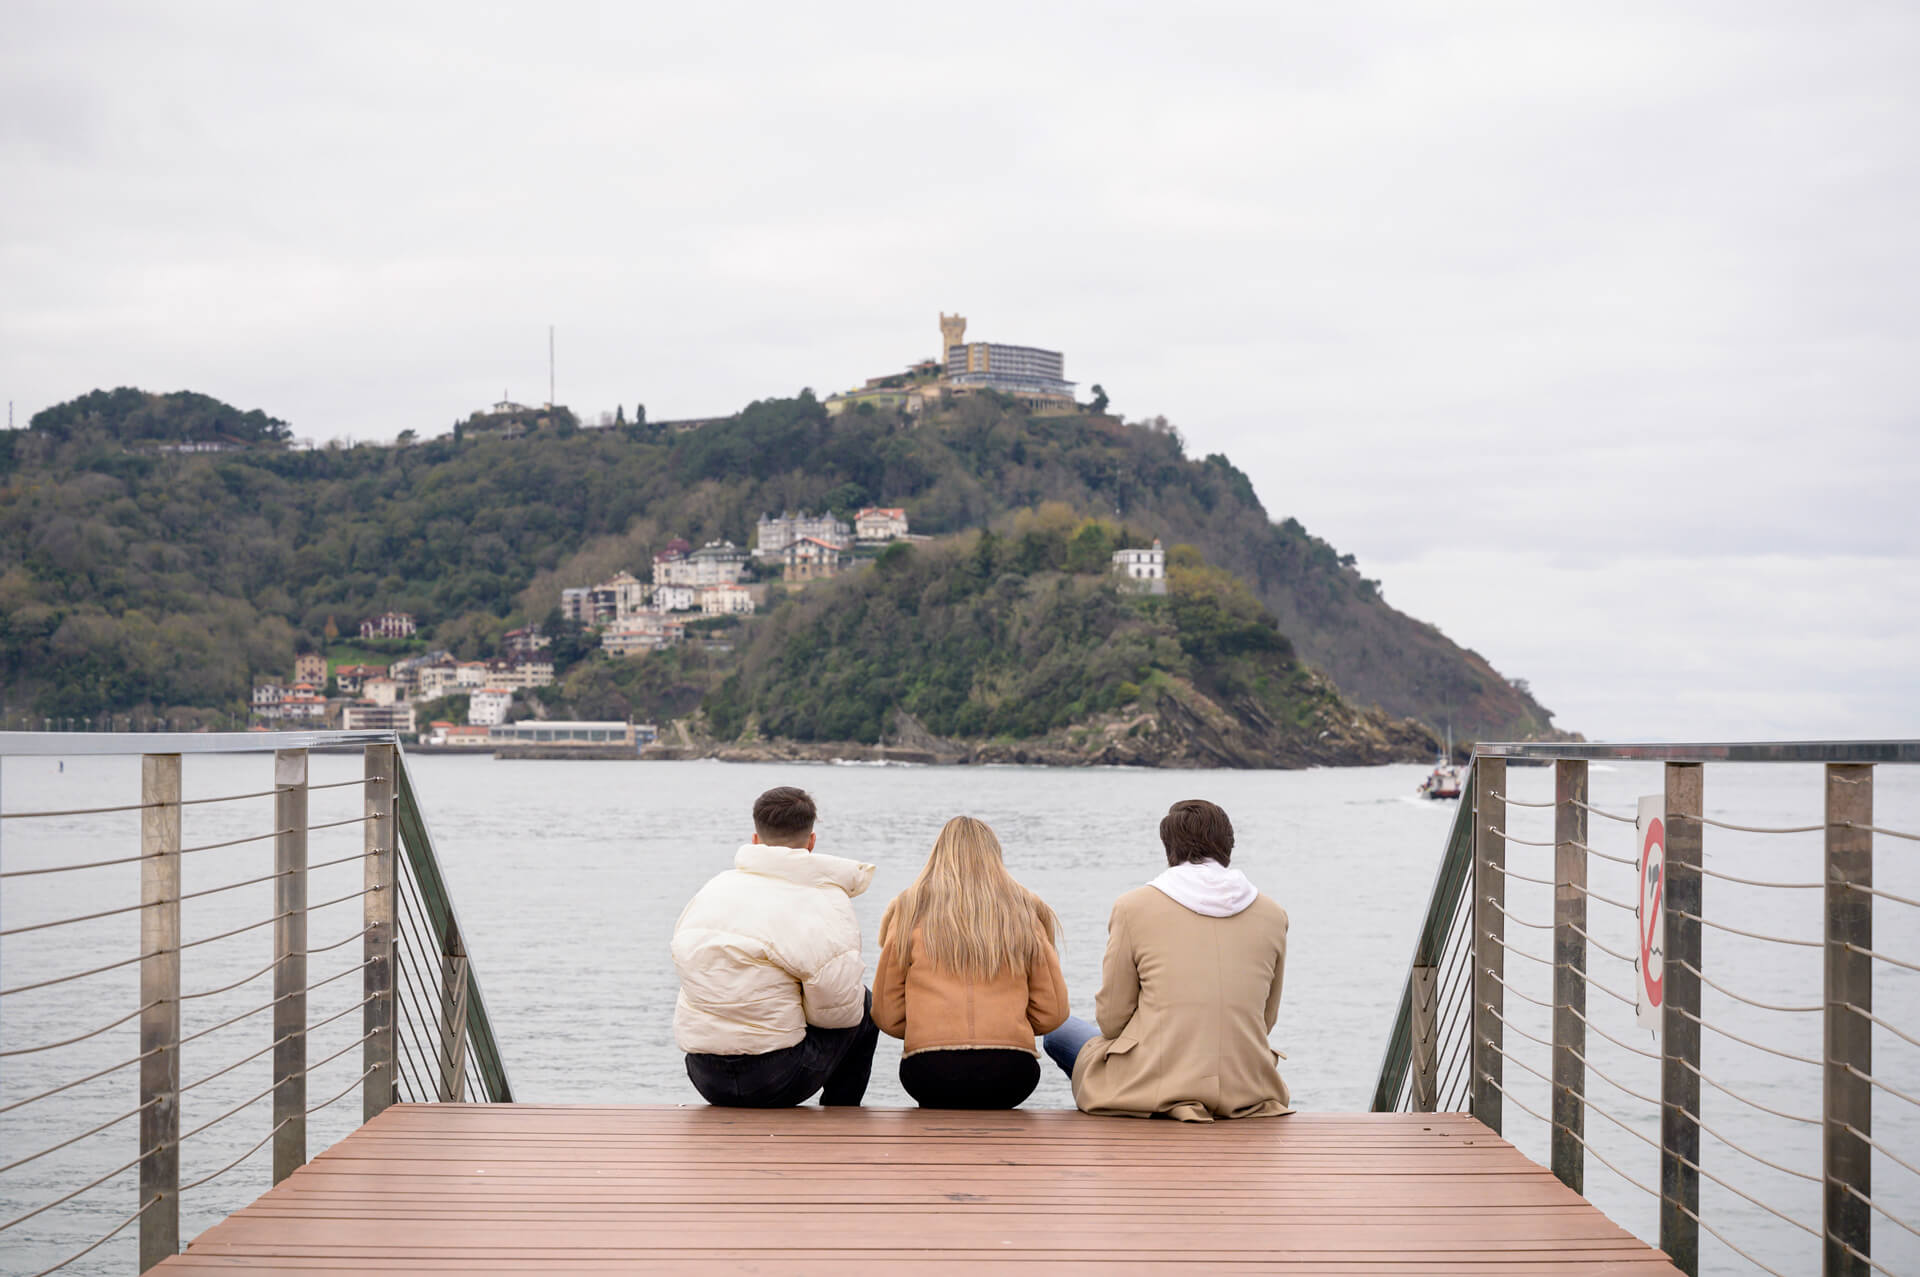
x=835, y=1062
x=992, y=1079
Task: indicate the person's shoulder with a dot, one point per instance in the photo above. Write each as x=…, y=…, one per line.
x=1131, y=904
x=1268, y=910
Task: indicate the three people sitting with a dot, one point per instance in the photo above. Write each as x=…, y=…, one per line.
x=772, y=1008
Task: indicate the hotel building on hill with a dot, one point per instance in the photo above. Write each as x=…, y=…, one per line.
x=1036, y=377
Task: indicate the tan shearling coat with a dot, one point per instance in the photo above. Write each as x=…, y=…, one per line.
x=1185, y=1005
x=939, y=1010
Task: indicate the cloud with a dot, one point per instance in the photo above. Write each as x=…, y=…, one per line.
x=1573, y=294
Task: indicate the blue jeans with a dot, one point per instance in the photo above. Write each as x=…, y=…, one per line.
x=1064, y=1043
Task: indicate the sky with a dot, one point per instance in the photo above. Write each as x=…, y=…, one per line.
x=1591, y=329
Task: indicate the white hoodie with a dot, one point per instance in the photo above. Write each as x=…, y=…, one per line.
x=1209, y=889
x=767, y=948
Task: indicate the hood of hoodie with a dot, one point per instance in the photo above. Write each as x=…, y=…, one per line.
x=1209, y=889
x=807, y=868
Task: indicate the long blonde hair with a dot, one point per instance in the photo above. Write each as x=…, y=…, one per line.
x=966, y=910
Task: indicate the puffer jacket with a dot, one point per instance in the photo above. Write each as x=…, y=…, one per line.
x=767, y=948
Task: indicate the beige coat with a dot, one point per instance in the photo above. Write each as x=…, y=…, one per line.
x=1185, y=1006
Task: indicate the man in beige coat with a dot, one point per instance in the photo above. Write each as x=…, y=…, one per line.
x=1189, y=989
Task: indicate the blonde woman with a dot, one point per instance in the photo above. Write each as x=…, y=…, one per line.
x=968, y=976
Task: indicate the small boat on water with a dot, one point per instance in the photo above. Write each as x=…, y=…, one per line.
x=1444, y=780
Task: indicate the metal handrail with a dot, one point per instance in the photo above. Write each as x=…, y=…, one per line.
x=1471, y=881
x=411, y=937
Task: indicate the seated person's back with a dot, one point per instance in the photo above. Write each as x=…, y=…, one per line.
x=772, y=1006
x=1190, y=988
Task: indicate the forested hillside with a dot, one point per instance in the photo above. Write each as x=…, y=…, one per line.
x=1030, y=637
x=131, y=576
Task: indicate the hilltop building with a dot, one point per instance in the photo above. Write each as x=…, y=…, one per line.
x=715, y=563
x=1144, y=571
x=812, y=559
x=1033, y=376
x=771, y=537
x=877, y=524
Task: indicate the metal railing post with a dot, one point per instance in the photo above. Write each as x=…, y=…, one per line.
x=1680, y=1021
x=1488, y=953
x=1569, y=972
x=1847, y=1107
x=289, y=962
x=1424, y=1062
x=453, y=1022
x=160, y=996
x=381, y=901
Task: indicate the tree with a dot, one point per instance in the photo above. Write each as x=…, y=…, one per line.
x=639, y=414
x=1099, y=404
x=405, y=438
x=619, y=414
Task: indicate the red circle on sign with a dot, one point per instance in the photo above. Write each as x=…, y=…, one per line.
x=1650, y=910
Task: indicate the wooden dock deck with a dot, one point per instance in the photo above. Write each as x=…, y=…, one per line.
x=535, y=1188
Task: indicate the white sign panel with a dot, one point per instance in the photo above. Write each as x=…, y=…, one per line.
x=1650, y=915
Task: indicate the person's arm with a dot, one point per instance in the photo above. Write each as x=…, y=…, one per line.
x=1119, y=995
x=890, y=988
x=1046, y=988
x=834, y=994
x=1279, y=974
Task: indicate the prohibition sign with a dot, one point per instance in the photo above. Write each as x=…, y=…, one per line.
x=1652, y=963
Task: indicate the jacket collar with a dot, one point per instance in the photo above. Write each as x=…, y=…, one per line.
x=807, y=868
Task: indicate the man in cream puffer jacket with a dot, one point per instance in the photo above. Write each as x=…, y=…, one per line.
x=772, y=1006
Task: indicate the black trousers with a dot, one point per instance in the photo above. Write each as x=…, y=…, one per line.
x=836, y=1062
x=988, y=1079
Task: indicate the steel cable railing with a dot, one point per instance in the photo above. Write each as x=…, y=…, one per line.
x=1499, y=871
x=424, y=1035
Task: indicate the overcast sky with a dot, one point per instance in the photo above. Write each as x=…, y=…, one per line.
x=1591, y=330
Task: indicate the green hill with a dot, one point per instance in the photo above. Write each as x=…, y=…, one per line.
x=131, y=577
x=1031, y=641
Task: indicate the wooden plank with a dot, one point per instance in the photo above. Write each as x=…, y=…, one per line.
x=506, y=1188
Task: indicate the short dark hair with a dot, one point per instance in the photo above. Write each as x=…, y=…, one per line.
x=1195, y=829
x=783, y=812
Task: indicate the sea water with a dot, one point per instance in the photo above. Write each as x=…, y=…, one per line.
x=567, y=878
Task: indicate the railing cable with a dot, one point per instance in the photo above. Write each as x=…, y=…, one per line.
x=1884, y=1212
x=77, y=975
x=178, y=802
x=112, y=1233
x=1524, y=842
x=1723, y=876
x=1604, y=948
x=68, y=1086
x=1751, y=935
x=1505, y=872
x=1591, y=894
x=1515, y=802
x=1871, y=1080
x=1755, y=1104
x=1601, y=811
x=1711, y=983
x=1577, y=1138
x=1877, y=956
x=87, y=1187
x=33, y=1157
x=1536, y=926
x=1770, y=1050
x=1853, y=1007
x=1775, y=1211
x=204, y=1179
x=1717, y=1235
x=1884, y=895
x=91, y=1033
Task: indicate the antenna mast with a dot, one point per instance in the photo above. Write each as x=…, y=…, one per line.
x=549, y=365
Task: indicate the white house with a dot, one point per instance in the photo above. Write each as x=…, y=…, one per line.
x=771, y=537
x=470, y=674
x=726, y=600
x=675, y=598
x=380, y=691
x=434, y=681
x=643, y=633
x=1144, y=570
x=487, y=706
x=877, y=523
x=715, y=563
